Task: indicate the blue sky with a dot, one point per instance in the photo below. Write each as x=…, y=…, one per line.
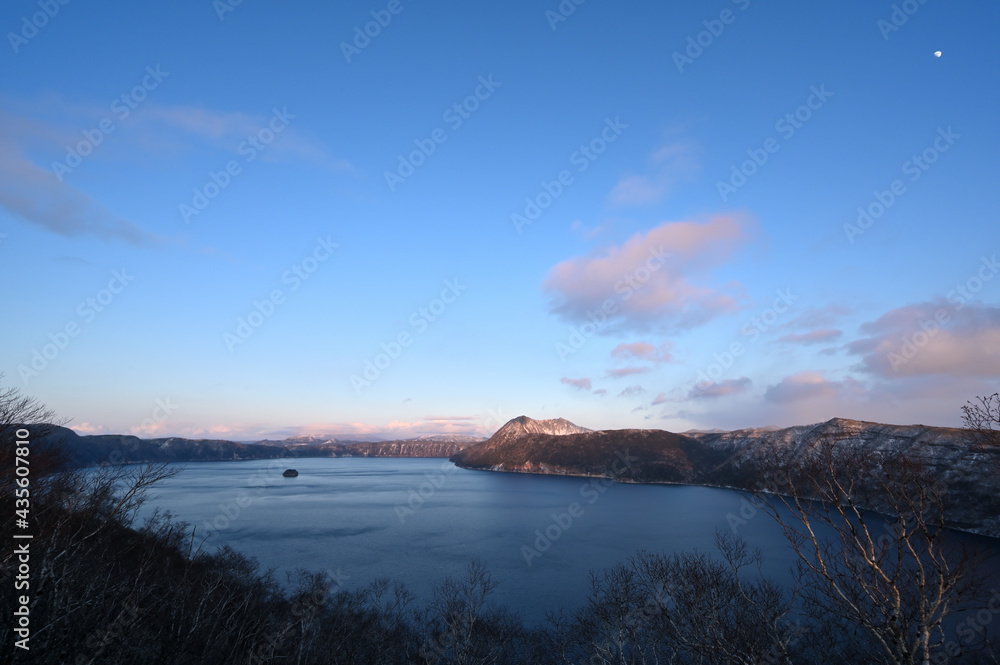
x=286, y=227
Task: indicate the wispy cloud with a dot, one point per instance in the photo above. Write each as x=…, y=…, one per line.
x=88, y=429
x=154, y=128
x=669, y=165
x=474, y=425
x=581, y=384
x=227, y=129
x=811, y=337
x=931, y=338
x=712, y=390
x=643, y=351
x=656, y=280
x=820, y=317
x=618, y=373
x=588, y=233
x=810, y=385
x=632, y=391
x=35, y=195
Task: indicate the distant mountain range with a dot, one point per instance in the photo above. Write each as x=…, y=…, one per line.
x=736, y=459
x=124, y=448
x=338, y=439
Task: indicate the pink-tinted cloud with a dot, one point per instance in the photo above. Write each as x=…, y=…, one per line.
x=661, y=398
x=932, y=338
x=626, y=371
x=395, y=429
x=601, y=392
x=581, y=384
x=643, y=351
x=473, y=425
x=150, y=429
x=655, y=280
x=87, y=429
x=712, y=390
x=812, y=337
x=809, y=386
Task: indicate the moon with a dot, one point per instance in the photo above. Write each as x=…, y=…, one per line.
x=937, y=54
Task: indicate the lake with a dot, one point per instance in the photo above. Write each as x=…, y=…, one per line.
x=421, y=520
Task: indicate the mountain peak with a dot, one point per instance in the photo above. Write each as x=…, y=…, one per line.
x=524, y=425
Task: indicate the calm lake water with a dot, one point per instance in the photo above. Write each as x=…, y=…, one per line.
x=421, y=520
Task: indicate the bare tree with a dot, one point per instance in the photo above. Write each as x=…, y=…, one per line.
x=717, y=612
x=875, y=554
x=684, y=608
x=981, y=419
x=463, y=628
x=20, y=413
x=18, y=410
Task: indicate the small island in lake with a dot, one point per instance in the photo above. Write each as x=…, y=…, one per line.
x=290, y=473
